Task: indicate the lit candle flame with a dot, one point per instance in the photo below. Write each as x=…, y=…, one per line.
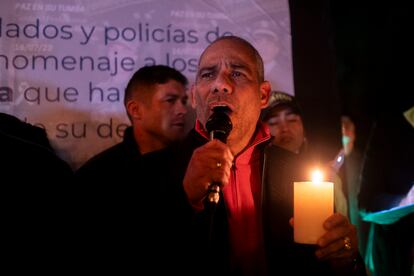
x=317, y=176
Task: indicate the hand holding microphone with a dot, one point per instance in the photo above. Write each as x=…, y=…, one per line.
x=218, y=126
x=210, y=164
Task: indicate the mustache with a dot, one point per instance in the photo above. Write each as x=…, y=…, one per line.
x=221, y=100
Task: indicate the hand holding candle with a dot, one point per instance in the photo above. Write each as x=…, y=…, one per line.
x=313, y=204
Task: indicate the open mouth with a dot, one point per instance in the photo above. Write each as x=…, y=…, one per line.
x=221, y=107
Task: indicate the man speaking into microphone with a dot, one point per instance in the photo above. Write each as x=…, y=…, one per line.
x=230, y=75
x=230, y=83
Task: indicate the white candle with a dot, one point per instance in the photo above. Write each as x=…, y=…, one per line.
x=313, y=204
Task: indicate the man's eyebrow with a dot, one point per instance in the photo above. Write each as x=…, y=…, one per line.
x=241, y=65
x=174, y=94
x=232, y=65
x=238, y=65
x=207, y=68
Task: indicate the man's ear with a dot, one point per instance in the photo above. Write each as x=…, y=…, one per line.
x=193, y=97
x=134, y=109
x=265, y=89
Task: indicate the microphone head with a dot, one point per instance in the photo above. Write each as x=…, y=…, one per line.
x=219, y=124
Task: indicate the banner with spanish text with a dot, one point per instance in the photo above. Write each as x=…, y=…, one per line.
x=64, y=64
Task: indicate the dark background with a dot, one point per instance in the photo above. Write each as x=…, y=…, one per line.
x=350, y=58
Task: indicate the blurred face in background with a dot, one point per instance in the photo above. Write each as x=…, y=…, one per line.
x=348, y=134
x=286, y=128
x=164, y=116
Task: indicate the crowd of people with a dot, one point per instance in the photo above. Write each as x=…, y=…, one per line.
x=143, y=203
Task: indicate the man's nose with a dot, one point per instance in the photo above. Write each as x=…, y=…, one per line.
x=181, y=107
x=222, y=84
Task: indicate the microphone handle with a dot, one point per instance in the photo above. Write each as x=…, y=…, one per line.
x=214, y=189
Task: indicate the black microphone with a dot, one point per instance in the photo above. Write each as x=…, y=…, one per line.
x=218, y=126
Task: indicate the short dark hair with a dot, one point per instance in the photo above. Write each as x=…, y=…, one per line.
x=147, y=76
